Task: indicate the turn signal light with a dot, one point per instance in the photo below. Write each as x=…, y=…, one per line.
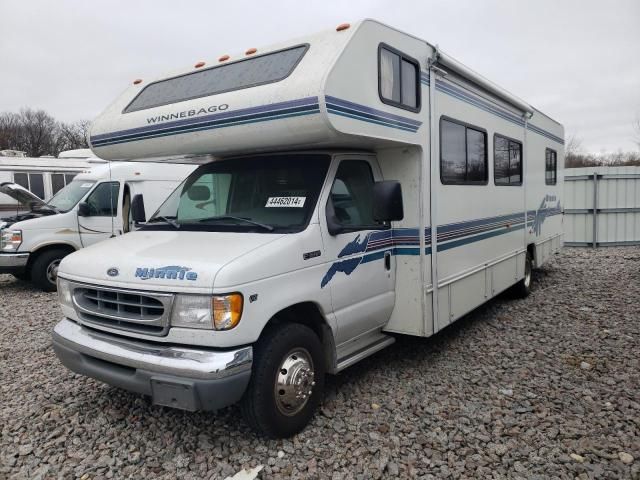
x=342, y=26
x=227, y=310
x=137, y=81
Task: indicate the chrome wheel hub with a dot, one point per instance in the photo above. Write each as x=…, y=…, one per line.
x=294, y=382
x=52, y=271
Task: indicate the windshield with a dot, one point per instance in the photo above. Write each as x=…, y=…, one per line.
x=67, y=198
x=262, y=194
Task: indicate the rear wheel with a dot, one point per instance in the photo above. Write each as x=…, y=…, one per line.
x=44, y=269
x=287, y=381
x=523, y=288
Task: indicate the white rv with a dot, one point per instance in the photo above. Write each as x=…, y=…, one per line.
x=42, y=176
x=94, y=206
x=361, y=183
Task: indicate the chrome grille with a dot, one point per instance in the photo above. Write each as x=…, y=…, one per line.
x=135, y=311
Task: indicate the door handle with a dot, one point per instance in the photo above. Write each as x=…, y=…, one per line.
x=387, y=260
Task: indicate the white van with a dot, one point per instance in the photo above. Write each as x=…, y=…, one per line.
x=94, y=206
x=361, y=183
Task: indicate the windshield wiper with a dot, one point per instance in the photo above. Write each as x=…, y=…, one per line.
x=166, y=220
x=241, y=219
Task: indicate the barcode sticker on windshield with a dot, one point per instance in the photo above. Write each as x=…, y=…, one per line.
x=296, y=202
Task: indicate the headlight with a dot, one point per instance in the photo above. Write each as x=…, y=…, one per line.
x=192, y=311
x=10, y=240
x=220, y=312
x=64, y=293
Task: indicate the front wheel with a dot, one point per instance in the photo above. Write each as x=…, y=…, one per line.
x=287, y=381
x=44, y=270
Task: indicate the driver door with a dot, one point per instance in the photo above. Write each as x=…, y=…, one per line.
x=103, y=221
x=361, y=271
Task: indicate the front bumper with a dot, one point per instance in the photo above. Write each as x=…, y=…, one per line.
x=175, y=376
x=13, y=262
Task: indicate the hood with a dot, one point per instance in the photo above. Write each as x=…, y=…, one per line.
x=169, y=261
x=22, y=195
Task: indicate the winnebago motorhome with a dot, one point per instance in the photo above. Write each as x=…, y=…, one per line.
x=94, y=206
x=42, y=176
x=350, y=172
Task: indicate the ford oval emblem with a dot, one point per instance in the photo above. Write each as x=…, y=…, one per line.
x=113, y=272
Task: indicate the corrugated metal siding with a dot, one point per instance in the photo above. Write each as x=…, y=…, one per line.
x=608, y=196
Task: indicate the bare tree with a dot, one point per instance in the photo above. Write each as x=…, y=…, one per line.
x=572, y=151
x=636, y=130
x=38, y=133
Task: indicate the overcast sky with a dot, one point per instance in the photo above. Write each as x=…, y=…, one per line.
x=576, y=60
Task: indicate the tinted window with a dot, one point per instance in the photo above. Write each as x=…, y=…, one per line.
x=250, y=72
x=57, y=182
x=463, y=154
x=68, y=177
x=21, y=179
x=279, y=191
x=551, y=167
x=398, y=79
x=507, y=161
x=36, y=184
x=352, y=194
x=103, y=201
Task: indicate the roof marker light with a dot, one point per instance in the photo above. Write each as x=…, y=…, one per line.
x=224, y=58
x=251, y=51
x=199, y=64
x=137, y=81
x=342, y=26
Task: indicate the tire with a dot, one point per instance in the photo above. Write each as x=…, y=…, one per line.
x=281, y=358
x=522, y=289
x=45, y=267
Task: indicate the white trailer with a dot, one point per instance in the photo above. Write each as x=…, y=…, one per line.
x=42, y=176
x=94, y=206
x=350, y=172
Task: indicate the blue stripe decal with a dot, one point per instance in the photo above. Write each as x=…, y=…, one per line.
x=305, y=106
x=464, y=241
x=357, y=111
x=472, y=99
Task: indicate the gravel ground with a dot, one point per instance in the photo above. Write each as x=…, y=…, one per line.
x=548, y=387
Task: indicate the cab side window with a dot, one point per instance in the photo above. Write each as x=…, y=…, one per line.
x=352, y=195
x=103, y=201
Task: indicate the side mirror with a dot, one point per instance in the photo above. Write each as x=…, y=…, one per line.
x=333, y=225
x=137, y=209
x=84, y=210
x=199, y=193
x=387, y=201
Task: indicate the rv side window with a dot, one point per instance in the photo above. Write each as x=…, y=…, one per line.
x=21, y=179
x=507, y=161
x=36, y=184
x=398, y=78
x=463, y=154
x=57, y=182
x=103, y=201
x=352, y=195
x=551, y=167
